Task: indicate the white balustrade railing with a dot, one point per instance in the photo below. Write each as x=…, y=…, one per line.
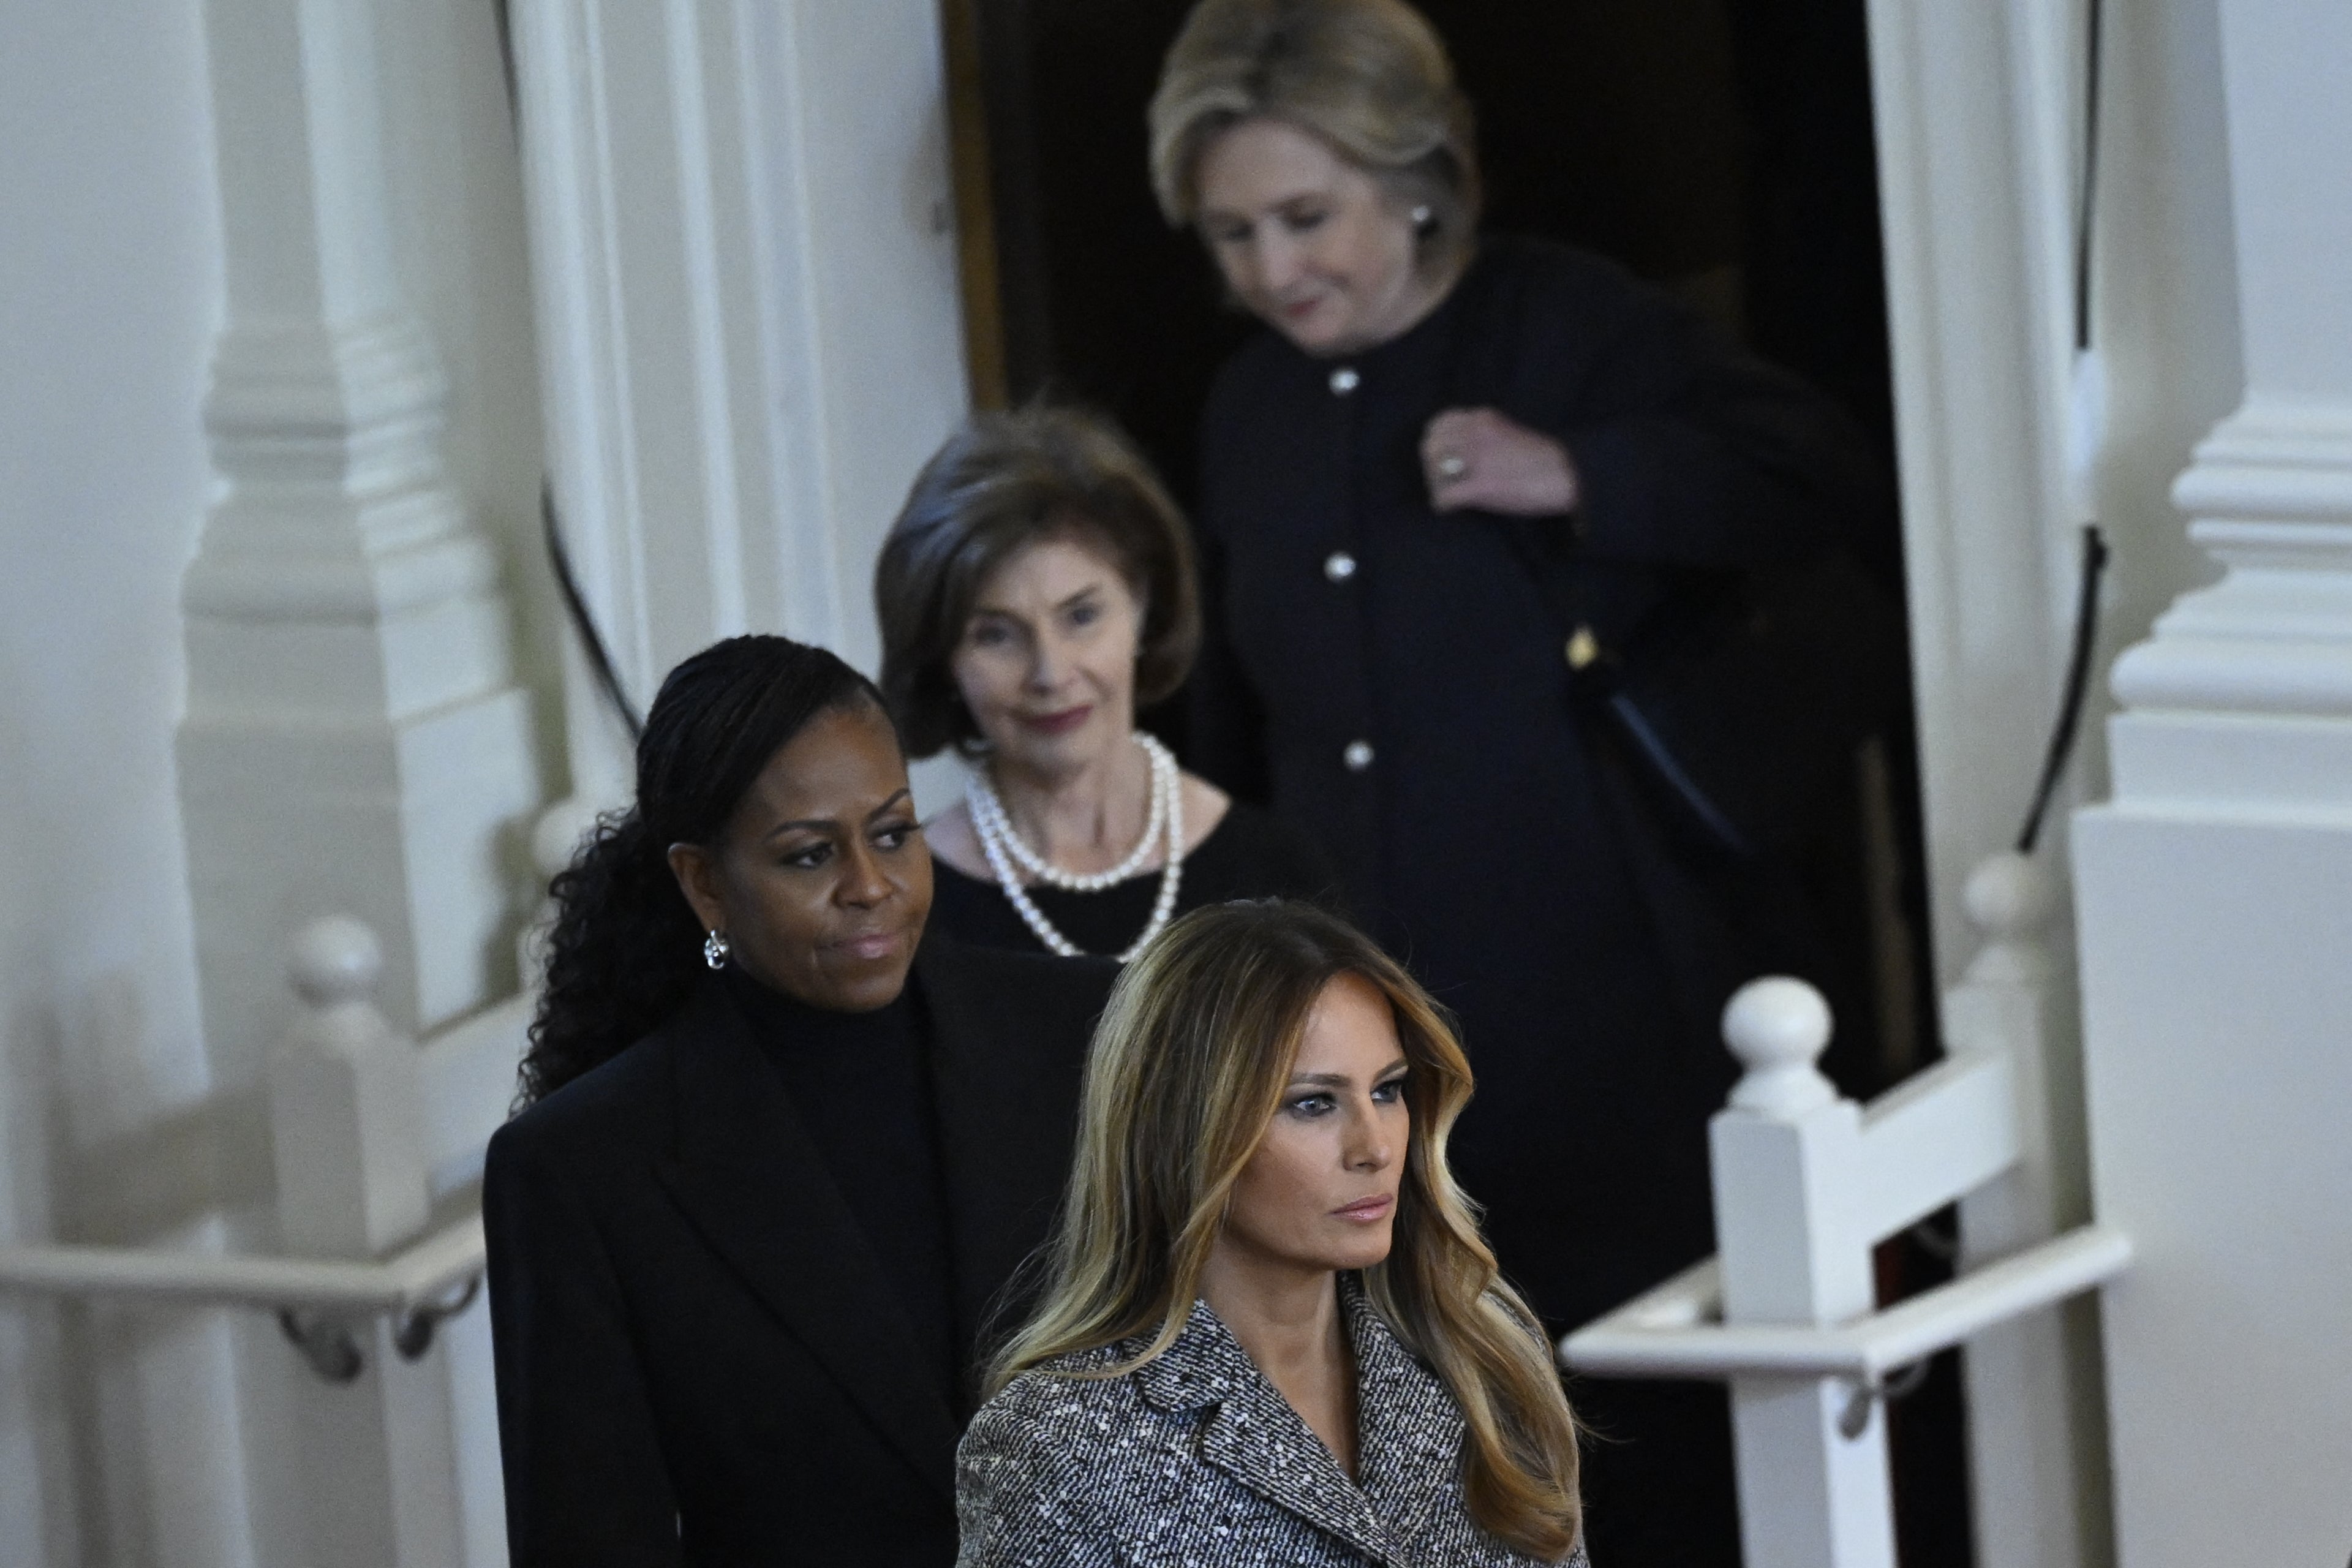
x=378, y=1141
x=372, y=1134
x=1807, y=1183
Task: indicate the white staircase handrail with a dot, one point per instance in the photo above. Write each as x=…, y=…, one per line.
x=1676, y=1330
x=376, y=1133
x=1806, y=1186
x=417, y=1276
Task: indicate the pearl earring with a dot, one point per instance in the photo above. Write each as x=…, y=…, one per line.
x=715, y=949
x=1422, y=218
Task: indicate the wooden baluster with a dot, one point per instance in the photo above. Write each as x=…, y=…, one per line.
x=376, y=1438
x=2036, y=1415
x=345, y=1105
x=1811, y=1452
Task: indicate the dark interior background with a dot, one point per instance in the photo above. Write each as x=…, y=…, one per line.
x=1722, y=148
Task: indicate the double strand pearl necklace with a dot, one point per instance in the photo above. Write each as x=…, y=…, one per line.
x=1005, y=847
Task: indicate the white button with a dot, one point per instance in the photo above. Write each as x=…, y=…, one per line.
x=1339, y=566
x=1344, y=380
x=1358, y=756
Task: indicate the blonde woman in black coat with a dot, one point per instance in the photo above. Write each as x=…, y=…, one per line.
x=1271, y=1334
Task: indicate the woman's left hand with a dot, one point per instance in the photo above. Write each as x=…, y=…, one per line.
x=1480, y=457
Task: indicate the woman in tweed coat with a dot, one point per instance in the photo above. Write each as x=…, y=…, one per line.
x=1272, y=1333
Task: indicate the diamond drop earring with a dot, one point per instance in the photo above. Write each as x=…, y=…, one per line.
x=715, y=950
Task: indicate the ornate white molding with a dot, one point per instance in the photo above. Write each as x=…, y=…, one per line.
x=338, y=508
x=2270, y=497
x=2269, y=493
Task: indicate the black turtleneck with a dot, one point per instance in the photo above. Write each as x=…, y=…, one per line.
x=862, y=1085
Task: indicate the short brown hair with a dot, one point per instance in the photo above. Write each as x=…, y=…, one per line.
x=1002, y=482
x=1369, y=76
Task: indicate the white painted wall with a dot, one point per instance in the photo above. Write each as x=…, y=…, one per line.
x=117, y=1431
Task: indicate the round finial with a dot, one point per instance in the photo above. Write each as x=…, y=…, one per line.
x=2010, y=894
x=336, y=960
x=1778, y=1027
x=555, y=837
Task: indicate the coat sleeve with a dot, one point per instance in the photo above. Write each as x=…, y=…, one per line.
x=1022, y=1499
x=1689, y=453
x=586, y=1482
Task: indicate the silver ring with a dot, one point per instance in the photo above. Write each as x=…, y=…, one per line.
x=1451, y=466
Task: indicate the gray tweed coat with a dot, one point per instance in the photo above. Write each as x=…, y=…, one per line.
x=1195, y=1458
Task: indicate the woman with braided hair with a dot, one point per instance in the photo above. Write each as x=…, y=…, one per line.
x=780, y=1154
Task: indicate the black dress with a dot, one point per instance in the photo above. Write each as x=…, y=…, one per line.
x=1392, y=680
x=1251, y=854
x=740, y=1274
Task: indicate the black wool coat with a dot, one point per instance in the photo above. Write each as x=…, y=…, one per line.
x=1392, y=680
x=699, y=1359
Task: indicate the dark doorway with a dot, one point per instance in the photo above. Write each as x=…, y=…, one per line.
x=1722, y=148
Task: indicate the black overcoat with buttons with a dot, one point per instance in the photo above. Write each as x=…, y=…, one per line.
x=1393, y=680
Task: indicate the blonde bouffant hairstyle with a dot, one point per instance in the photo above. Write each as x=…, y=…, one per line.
x=1369, y=76
x=1188, y=1069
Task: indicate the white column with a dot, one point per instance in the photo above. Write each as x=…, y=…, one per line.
x=748, y=322
x=2036, y=1428
x=2215, y=890
x=1813, y=1477
x=354, y=740
x=353, y=737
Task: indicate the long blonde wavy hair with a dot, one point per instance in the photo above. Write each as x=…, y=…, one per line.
x=1188, y=1069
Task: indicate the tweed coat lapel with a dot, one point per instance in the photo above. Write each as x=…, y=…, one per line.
x=750, y=1180
x=1408, y=1432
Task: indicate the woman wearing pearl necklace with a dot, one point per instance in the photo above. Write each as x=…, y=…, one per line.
x=1037, y=588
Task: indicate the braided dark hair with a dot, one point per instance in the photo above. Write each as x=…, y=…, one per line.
x=625, y=947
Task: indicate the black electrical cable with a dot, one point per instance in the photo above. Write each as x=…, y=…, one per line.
x=592, y=641
x=575, y=604
x=502, y=13
x=2078, y=681
x=2088, y=203
x=2094, y=547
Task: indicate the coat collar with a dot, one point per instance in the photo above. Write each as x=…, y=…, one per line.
x=1408, y=1428
x=750, y=1179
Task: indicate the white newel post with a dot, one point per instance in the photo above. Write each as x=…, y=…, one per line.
x=354, y=739
x=1811, y=1452
x=379, y=1455
x=2215, y=890
x=2037, y=1456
